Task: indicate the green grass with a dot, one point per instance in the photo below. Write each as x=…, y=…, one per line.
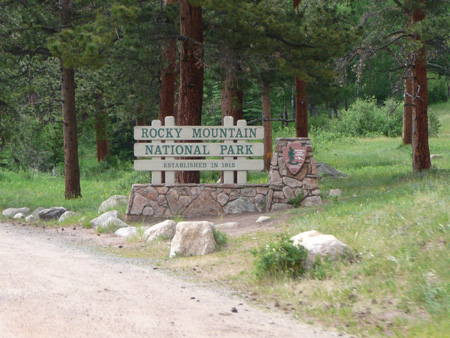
x=397, y=222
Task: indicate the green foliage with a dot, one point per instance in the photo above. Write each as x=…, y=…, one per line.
x=434, y=125
x=437, y=90
x=297, y=200
x=366, y=118
x=221, y=238
x=279, y=258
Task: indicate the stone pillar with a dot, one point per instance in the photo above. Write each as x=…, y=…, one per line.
x=284, y=185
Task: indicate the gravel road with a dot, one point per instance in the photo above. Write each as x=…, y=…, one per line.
x=52, y=288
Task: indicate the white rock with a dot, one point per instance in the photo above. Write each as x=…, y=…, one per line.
x=112, y=222
x=262, y=219
x=335, y=192
x=192, y=239
x=319, y=244
x=435, y=156
x=66, y=215
x=19, y=216
x=100, y=219
x=164, y=229
x=30, y=218
x=113, y=202
x=227, y=225
x=11, y=212
x=126, y=232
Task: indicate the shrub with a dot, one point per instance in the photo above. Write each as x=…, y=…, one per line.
x=281, y=257
x=366, y=118
x=221, y=238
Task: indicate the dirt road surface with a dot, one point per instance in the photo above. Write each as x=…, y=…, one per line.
x=50, y=287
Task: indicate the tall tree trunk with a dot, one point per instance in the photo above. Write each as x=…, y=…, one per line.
x=191, y=75
x=408, y=108
x=420, y=148
x=232, y=99
x=167, y=91
x=71, y=164
x=266, y=115
x=168, y=77
x=101, y=122
x=301, y=103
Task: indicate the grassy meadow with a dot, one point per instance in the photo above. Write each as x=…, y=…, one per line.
x=397, y=222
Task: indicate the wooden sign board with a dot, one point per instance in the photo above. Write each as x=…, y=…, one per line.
x=167, y=142
x=198, y=133
x=198, y=149
x=197, y=165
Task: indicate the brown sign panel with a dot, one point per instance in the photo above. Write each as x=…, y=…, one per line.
x=294, y=155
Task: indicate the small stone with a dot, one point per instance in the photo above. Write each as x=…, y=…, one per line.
x=163, y=229
x=335, y=192
x=111, y=223
x=262, y=219
x=66, y=215
x=312, y=200
x=113, y=202
x=102, y=218
x=234, y=310
x=11, y=212
x=292, y=182
x=19, y=215
x=435, y=156
x=126, y=232
x=240, y=205
x=30, y=218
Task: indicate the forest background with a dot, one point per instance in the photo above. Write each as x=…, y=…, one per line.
x=118, y=64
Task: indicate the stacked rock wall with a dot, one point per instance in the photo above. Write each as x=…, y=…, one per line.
x=149, y=201
x=285, y=185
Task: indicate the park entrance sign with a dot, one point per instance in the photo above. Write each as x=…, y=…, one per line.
x=230, y=149
x=223, y=148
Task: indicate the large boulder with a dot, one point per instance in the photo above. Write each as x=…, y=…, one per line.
x=112, y=203
x=325, y=170
x=11, y=212
x=51, y=213
x=317, y=243
x=112, y=224
x=103, y=217
x=164, y=229
x=192, y=239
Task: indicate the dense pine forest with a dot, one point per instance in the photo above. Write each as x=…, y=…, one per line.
x=82, y=74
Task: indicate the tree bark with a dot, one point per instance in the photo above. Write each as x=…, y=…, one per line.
x=420, y=147
x=191, y=75
x=71, y=164
x=408, y=109
x=101, y=121
x=168, y=74
x=266, y=115
x=301, y=107
x=232, y=99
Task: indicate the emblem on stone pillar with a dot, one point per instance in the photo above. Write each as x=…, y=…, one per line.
x=294, y=155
